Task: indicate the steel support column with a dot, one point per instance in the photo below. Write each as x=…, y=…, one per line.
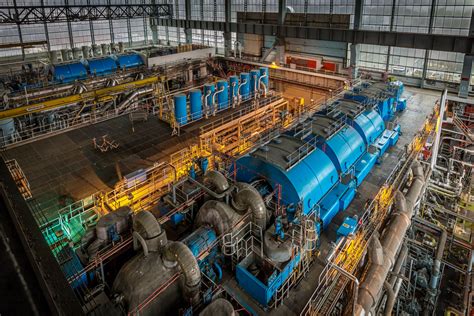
x=467, y=66
x=355, y=48
x=227, y=32
x=466, y=76
x=427, y=52
x=188, y=32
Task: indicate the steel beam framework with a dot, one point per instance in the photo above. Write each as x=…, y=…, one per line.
x=55, y=13
x=460, y=44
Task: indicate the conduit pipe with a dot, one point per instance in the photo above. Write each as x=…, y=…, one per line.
x=235, y=97
x=383, y=253
x=260, y=83
x=217, y=179
x=130, y=98
x=439, y=257
x=206, y=106
x=217, y=215
x=392, y=286
x=239, y=96
x=177, y=252
x=214, y=99
x=249, y=198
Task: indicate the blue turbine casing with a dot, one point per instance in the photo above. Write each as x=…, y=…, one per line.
x=102, y=66
x=245, y=88
x=69, y=72
x=129, y=61
x=306, y=181
x=223, y=97
x=264, y=71
x=344, y=148
x=200, y=240
x=233, y=86
x=369, y=125
x=209, y=87
x=195, y=100
x=180, y=110
x=254, y=75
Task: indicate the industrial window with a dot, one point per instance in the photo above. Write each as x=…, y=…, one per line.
x=101, y=32
x=58, y=35
x=452, y=17
x=9, y=35
x=31, y=33
x=120, y=31
x=377, y=15
x=137, y=30
x=81, y=33
x=406, y=62
x=412, y=16
x=445, y=66
x=373, y=57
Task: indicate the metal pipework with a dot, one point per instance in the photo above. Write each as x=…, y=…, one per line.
x=437, y=263
x=393, y=286
x=205, y=103
x=236, y=97
x=237, y=47
x=249, y=198
x=218, y=215
x=147, y=233
x=264, y=86
x=214, y=100
x=130, y=98
x=218, y=180
x=178, y=253
x=239, y=97
x=383, y=253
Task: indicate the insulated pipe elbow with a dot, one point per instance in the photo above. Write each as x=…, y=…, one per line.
x=416, y=186
x=214, y=98
x=249, y=198
x=218, y=215
x=239, y=95
x=178, y=252
x=260, y=83
x=206, y=106
x=218, y=180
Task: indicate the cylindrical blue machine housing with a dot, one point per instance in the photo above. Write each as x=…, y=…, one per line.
x=69, y=72
x=200, y=240
x=180, y=110
x=307, y=181
x=195, y=100
x=223, y=96
x=245, y=82
x=233, y=86
x=344, y=148
x=254, y=76
x=369, y=125
x=208, y=100
x=102, y=66
x=264, y=72
x=129, y=61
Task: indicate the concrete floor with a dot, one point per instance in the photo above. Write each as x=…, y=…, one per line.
x=420, y=104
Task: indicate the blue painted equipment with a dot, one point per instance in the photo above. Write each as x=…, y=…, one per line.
x=180, y=109
x=254, y=76
x=245, y=82
x=279, y=232
x=200, y=240
x=177, y=218
x=401, y=105
x=348, y=227
x=129, y=61
x=102, y=66
x=223, y=96
x=195, y=100
x=234, y=87
x=72, y=266
x=66, y=73
x=204, y=165
x=209, y=90
x=248, y=276
x=264, y=80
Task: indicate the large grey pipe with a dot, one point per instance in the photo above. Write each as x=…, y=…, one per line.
x=177, y=252
x=249, y=198
x=217, y=179
x=218, y=215
x=392, y=240
x=147, y=233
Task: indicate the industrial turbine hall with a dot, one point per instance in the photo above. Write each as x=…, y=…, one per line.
x=236, y=157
